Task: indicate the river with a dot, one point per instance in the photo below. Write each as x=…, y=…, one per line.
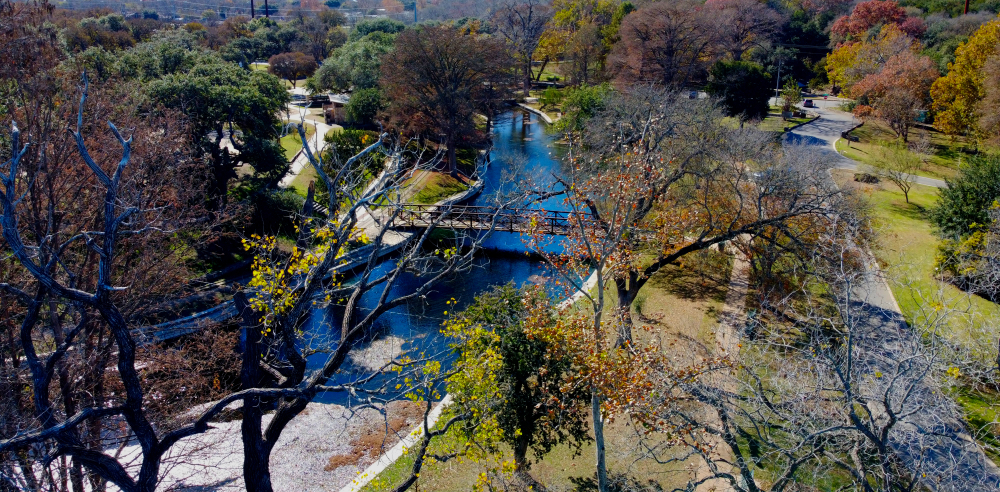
x=414, y=327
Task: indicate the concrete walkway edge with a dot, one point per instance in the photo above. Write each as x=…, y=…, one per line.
x=540, y=114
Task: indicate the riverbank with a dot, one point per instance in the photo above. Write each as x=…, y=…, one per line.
x=680, y=309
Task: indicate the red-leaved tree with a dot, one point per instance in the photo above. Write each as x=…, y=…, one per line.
x=898, y=90
x=872, y=13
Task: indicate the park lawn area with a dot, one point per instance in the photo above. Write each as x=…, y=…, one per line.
x=678, y=308
x=301, y=182
x=775, y=123
x=430, y=187
x=907, y=252
x=292, y=143
x=552, y=69
x=772, y=123
x=948, y=154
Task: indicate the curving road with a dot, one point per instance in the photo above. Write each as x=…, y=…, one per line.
x=930, y=438
x=825, y=131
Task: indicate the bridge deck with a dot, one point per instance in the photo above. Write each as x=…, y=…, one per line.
x=475, y=217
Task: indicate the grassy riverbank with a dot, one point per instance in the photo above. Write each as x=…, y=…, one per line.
x=678, y=309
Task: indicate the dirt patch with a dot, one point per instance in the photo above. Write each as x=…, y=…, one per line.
x=378, y=435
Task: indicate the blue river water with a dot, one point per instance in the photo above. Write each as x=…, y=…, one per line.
x=414, y=327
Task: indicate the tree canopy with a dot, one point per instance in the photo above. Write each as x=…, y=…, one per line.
x=356, y=64
x=957, y=94
x=514, y=379
x=743, y=89
x=291, y=66
x=966, y=201
x=438, y=78
x=225, y=103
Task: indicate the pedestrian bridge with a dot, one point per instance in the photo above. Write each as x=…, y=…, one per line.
x=484, y=218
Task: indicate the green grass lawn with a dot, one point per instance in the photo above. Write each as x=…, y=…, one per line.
x=948, y=153
x=432, y=187
x=301, y=182
x=908, y=248
x=773, y=122
x=292, y=142
x=552, y=69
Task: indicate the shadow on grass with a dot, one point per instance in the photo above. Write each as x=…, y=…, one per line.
x=693, y=285
x=910, y=210
x=981, y=414
x=203, y=488
x=616, y=483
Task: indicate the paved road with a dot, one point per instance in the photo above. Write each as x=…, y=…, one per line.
x=931, y=440
x=825, y=131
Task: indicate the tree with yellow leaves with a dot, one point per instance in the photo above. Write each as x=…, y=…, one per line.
x=517, y=388
x=957, y=96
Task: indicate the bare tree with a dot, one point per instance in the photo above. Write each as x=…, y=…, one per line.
x=521, y=24
x=898, y=165
x=664, y=43
x=703, y=184
x=73, y=312
x=438, y=78
x=827, y=379
x=744, y=25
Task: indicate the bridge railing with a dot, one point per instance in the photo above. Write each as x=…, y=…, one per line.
x=483, y=217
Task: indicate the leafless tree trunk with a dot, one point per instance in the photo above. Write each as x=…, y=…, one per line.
x=521, y=24
x=356, y=207
x=57, y=290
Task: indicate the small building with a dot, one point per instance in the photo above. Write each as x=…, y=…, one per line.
x=335, y=111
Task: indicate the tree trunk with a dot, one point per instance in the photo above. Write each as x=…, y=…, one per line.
x=545, y=61
x=602, y=467
x=521, y=454
x=625, y=298
x=527, y=78
x=452, y=159
x=66, y=388
x=256, y=453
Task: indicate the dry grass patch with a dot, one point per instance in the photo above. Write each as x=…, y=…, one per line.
x=378, y=435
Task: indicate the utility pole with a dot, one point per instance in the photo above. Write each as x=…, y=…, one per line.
x=267, y=11
x=966, y=6
x=777, y=83
x=251, y=9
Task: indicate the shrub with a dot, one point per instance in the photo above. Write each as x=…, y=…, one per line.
x=964, y=203
x=273, y=213
x=580, y=105
x=551, y=97
x=364, y=106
